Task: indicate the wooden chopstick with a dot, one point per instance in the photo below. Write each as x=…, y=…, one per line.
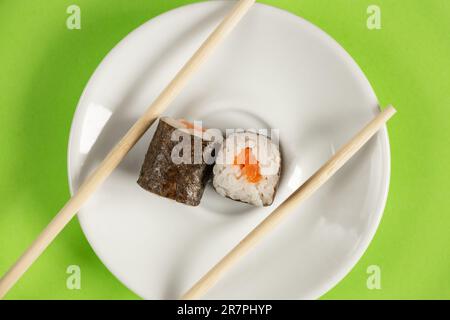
x=307, y=189
x=113, y=159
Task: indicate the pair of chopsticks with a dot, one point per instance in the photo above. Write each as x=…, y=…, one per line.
x=116, y=155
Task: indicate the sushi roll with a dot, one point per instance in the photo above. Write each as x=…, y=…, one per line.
x=248, y=168
x=175, y=166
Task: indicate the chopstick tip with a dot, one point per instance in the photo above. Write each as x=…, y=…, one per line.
x=390, y=109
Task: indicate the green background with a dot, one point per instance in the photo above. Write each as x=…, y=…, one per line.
x=44, y=68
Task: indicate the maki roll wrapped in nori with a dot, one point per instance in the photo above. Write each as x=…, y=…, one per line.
x=178, y=162
x=248, y=168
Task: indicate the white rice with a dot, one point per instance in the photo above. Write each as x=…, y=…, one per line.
x=228, y=180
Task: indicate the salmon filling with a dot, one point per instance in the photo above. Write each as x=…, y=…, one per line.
x=249, y=165
x=190, y=125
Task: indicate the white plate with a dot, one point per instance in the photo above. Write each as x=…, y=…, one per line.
x=275, y=70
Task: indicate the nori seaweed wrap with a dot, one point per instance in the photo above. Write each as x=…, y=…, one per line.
x=175, y=165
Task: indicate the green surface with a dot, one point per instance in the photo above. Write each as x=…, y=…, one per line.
x=44, y=68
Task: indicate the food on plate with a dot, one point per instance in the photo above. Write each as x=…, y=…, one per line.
x=247, y=169
x=178, y=162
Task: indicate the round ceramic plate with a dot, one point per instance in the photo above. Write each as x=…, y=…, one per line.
x=274, y=71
